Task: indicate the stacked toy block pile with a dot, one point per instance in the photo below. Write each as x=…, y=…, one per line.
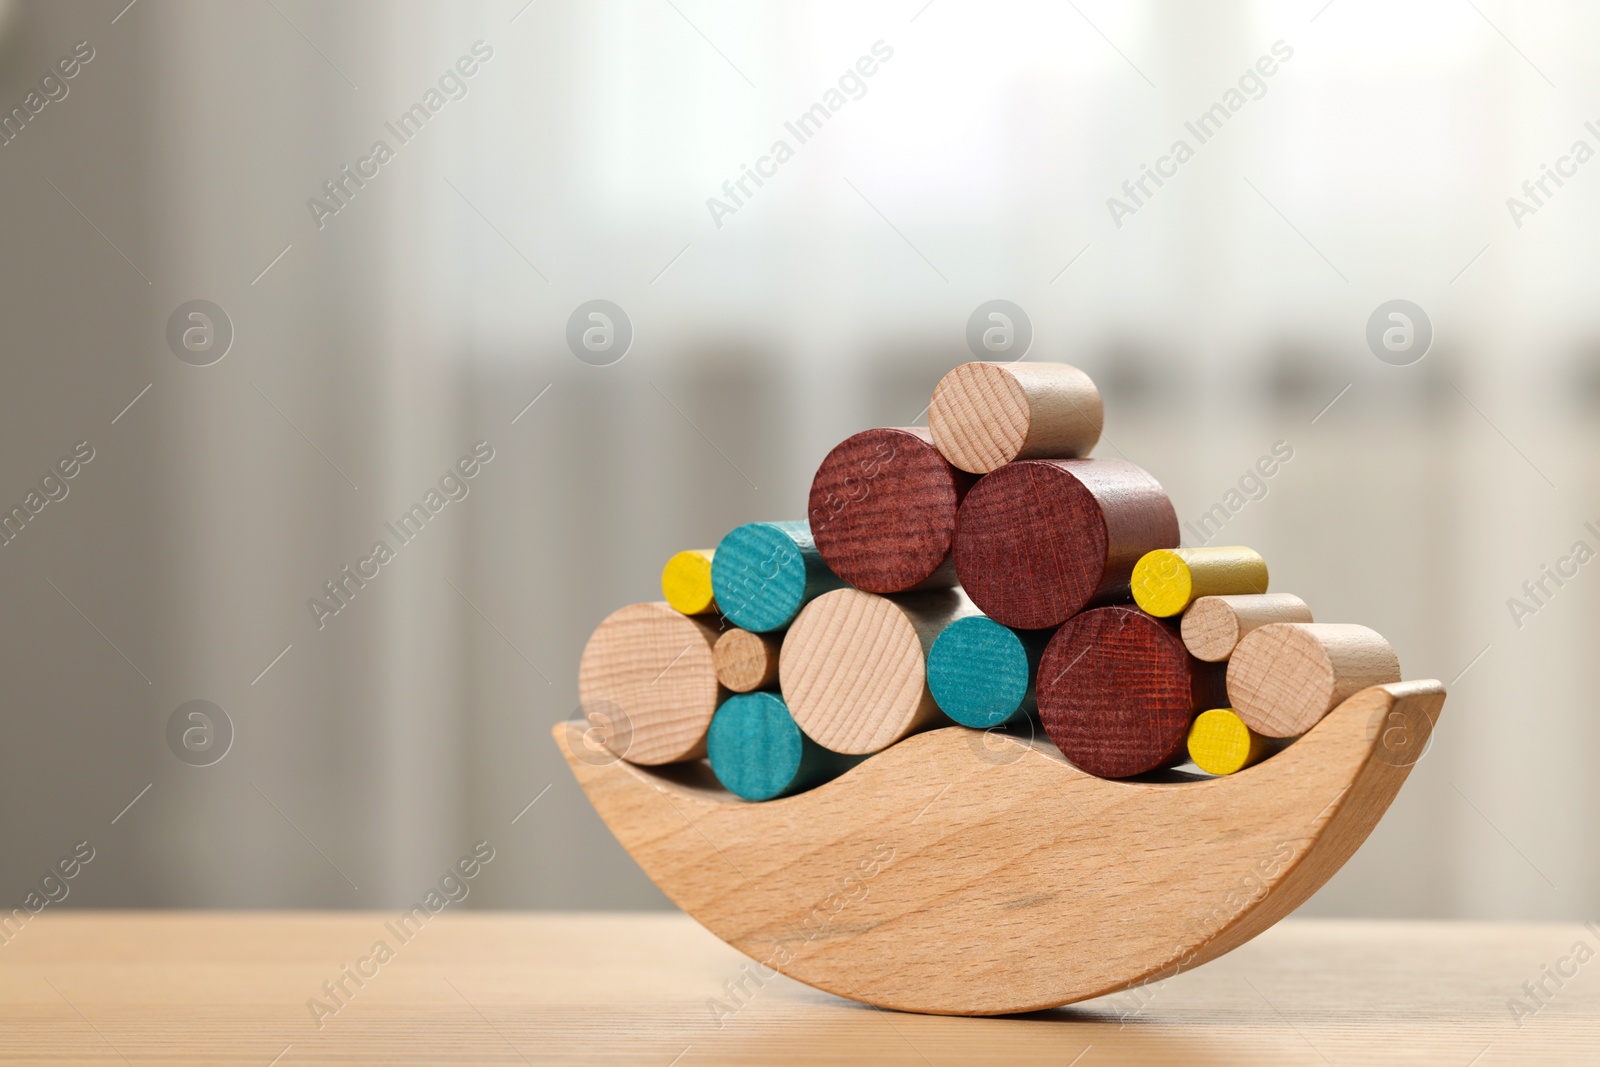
x=982, y=573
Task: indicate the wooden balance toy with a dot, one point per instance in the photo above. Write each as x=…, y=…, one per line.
x=1062, y=845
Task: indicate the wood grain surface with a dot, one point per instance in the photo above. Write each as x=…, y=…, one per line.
x=1037, y=541
x=647, y=680
x=1283, y=677
x=686, y=582
x=853, y=666
x=984, y=415
x=745, y=661
x=1168, y=580
x=1118, y=692
x=476, y=988
x=981, y=674
x=1213, y=625
x=1220, y=742
x=763, y=573
x=758, y=753
x=883, y=510
x=935, y=877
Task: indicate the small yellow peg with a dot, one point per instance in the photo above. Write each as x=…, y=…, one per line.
x=1220, y=742
x=1170, y=579
x=686, y=582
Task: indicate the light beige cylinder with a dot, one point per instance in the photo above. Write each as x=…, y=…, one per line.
x=1284, y=677
x=853, y=670
x=745, y=661
x=648, y=672
x=984, y=415
x=1213, y=625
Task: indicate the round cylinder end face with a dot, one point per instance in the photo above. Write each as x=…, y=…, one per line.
x=1280, y=680
x=1162, y=583
x=758, y=577
x=1115, y=692
x=754, y=746
x=1284, y=677
x=1030, y=546
x=978, y=672
x=686, y=583
x=883, y=510
x=1210, y=629
x=652, y=668
x=1219, y=742
x=979, y=417
x=852, y=671
x=741, y=659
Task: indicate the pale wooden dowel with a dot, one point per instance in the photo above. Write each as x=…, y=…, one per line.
x=853, y=666
x=1284, y=677
x=1213, y=625
x=984, y=415
x=745, y=661
x=647, y=675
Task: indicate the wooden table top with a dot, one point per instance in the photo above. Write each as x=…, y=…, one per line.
x=475, y=987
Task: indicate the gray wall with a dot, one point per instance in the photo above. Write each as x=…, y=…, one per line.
x=1223, y=316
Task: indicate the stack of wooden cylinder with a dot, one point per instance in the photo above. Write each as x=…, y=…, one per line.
x=980, y=572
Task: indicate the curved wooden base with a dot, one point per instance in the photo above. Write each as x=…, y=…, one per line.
x=962, y=873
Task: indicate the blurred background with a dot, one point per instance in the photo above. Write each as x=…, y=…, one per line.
x=422, y=309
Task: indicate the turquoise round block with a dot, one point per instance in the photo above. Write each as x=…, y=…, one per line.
x=981, y=673
x=763, y=573
x=758, y=752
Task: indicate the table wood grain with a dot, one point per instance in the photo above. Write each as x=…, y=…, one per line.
x=489, y=988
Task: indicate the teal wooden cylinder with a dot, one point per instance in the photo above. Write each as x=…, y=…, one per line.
x=763, y=573
x=758, y=752
x=981, y=673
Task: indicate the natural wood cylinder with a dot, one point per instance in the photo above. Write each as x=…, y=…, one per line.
x=984, y=415
x=1118, y=692
x=763, y=573
x=648, y=669
x=745, y=661
x=1220, y=743
x=758, y=752
x=1284, y=677
x=1039, y=540
x=981, y=674
x=686, y=582
x=883, y=510
x=853, y=666
x=1168, y=580
x=1213, y=625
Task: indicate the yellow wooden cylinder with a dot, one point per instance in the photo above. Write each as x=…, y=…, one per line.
x=686, y=582
x=1168, y=580
x=1220, y=742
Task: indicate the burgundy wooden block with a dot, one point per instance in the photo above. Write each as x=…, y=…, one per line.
x=1118, y=691
x=1039, y=540
x=883, y=510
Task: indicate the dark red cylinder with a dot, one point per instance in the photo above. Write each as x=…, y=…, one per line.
x=1039, y=540
x=883, y=510
x=1118, y=691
